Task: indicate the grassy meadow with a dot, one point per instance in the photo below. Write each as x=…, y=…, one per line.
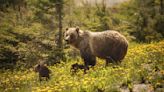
x=142, y=64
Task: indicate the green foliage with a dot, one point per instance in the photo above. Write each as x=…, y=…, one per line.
x=89, y=17
x=143, y=64
x=28, y=33
x=144, y=18
x=24, y=45
x=15, y=4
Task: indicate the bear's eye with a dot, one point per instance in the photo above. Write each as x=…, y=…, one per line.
x=66, y=35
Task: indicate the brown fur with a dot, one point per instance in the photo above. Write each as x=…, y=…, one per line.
x=43, y=71
x=109, y=45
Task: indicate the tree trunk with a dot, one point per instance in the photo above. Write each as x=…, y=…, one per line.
x=161, y=7
x=59, y=12
x=60, y=29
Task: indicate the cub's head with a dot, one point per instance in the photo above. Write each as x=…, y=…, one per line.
x=71, y=35
x=37, y=67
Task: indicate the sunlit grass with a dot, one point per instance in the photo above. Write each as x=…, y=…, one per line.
x=143, y=62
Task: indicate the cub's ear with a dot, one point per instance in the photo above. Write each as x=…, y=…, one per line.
x=77, y=30
x=38, y=66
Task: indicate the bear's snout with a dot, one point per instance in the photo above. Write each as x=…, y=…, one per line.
x=67, y=38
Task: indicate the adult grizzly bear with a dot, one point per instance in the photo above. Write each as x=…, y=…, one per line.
x=109, y=45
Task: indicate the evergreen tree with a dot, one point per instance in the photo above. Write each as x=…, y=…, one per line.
x=147, y=21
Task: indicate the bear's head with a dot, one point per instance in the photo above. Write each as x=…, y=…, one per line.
x=71, y=35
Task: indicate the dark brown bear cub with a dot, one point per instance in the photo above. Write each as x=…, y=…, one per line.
x=43, y=71
x=75, y=67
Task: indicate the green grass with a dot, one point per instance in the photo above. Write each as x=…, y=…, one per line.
x=142, y=64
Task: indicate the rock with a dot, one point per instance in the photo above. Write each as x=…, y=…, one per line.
x=142, y=88
x=124, y=90
x=159, y=90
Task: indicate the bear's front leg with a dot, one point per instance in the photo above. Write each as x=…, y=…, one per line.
x=89, y=60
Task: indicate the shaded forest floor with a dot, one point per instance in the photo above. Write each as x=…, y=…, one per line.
x=142, y=70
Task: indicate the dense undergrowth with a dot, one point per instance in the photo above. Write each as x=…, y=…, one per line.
x=142, y=64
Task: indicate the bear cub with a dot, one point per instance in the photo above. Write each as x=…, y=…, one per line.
x=75, y=67
x=43, y=71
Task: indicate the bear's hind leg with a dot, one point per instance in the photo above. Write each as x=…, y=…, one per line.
x=109, y=60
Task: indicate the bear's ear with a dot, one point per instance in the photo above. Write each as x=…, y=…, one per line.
x=66, y=29
x=77, y=30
